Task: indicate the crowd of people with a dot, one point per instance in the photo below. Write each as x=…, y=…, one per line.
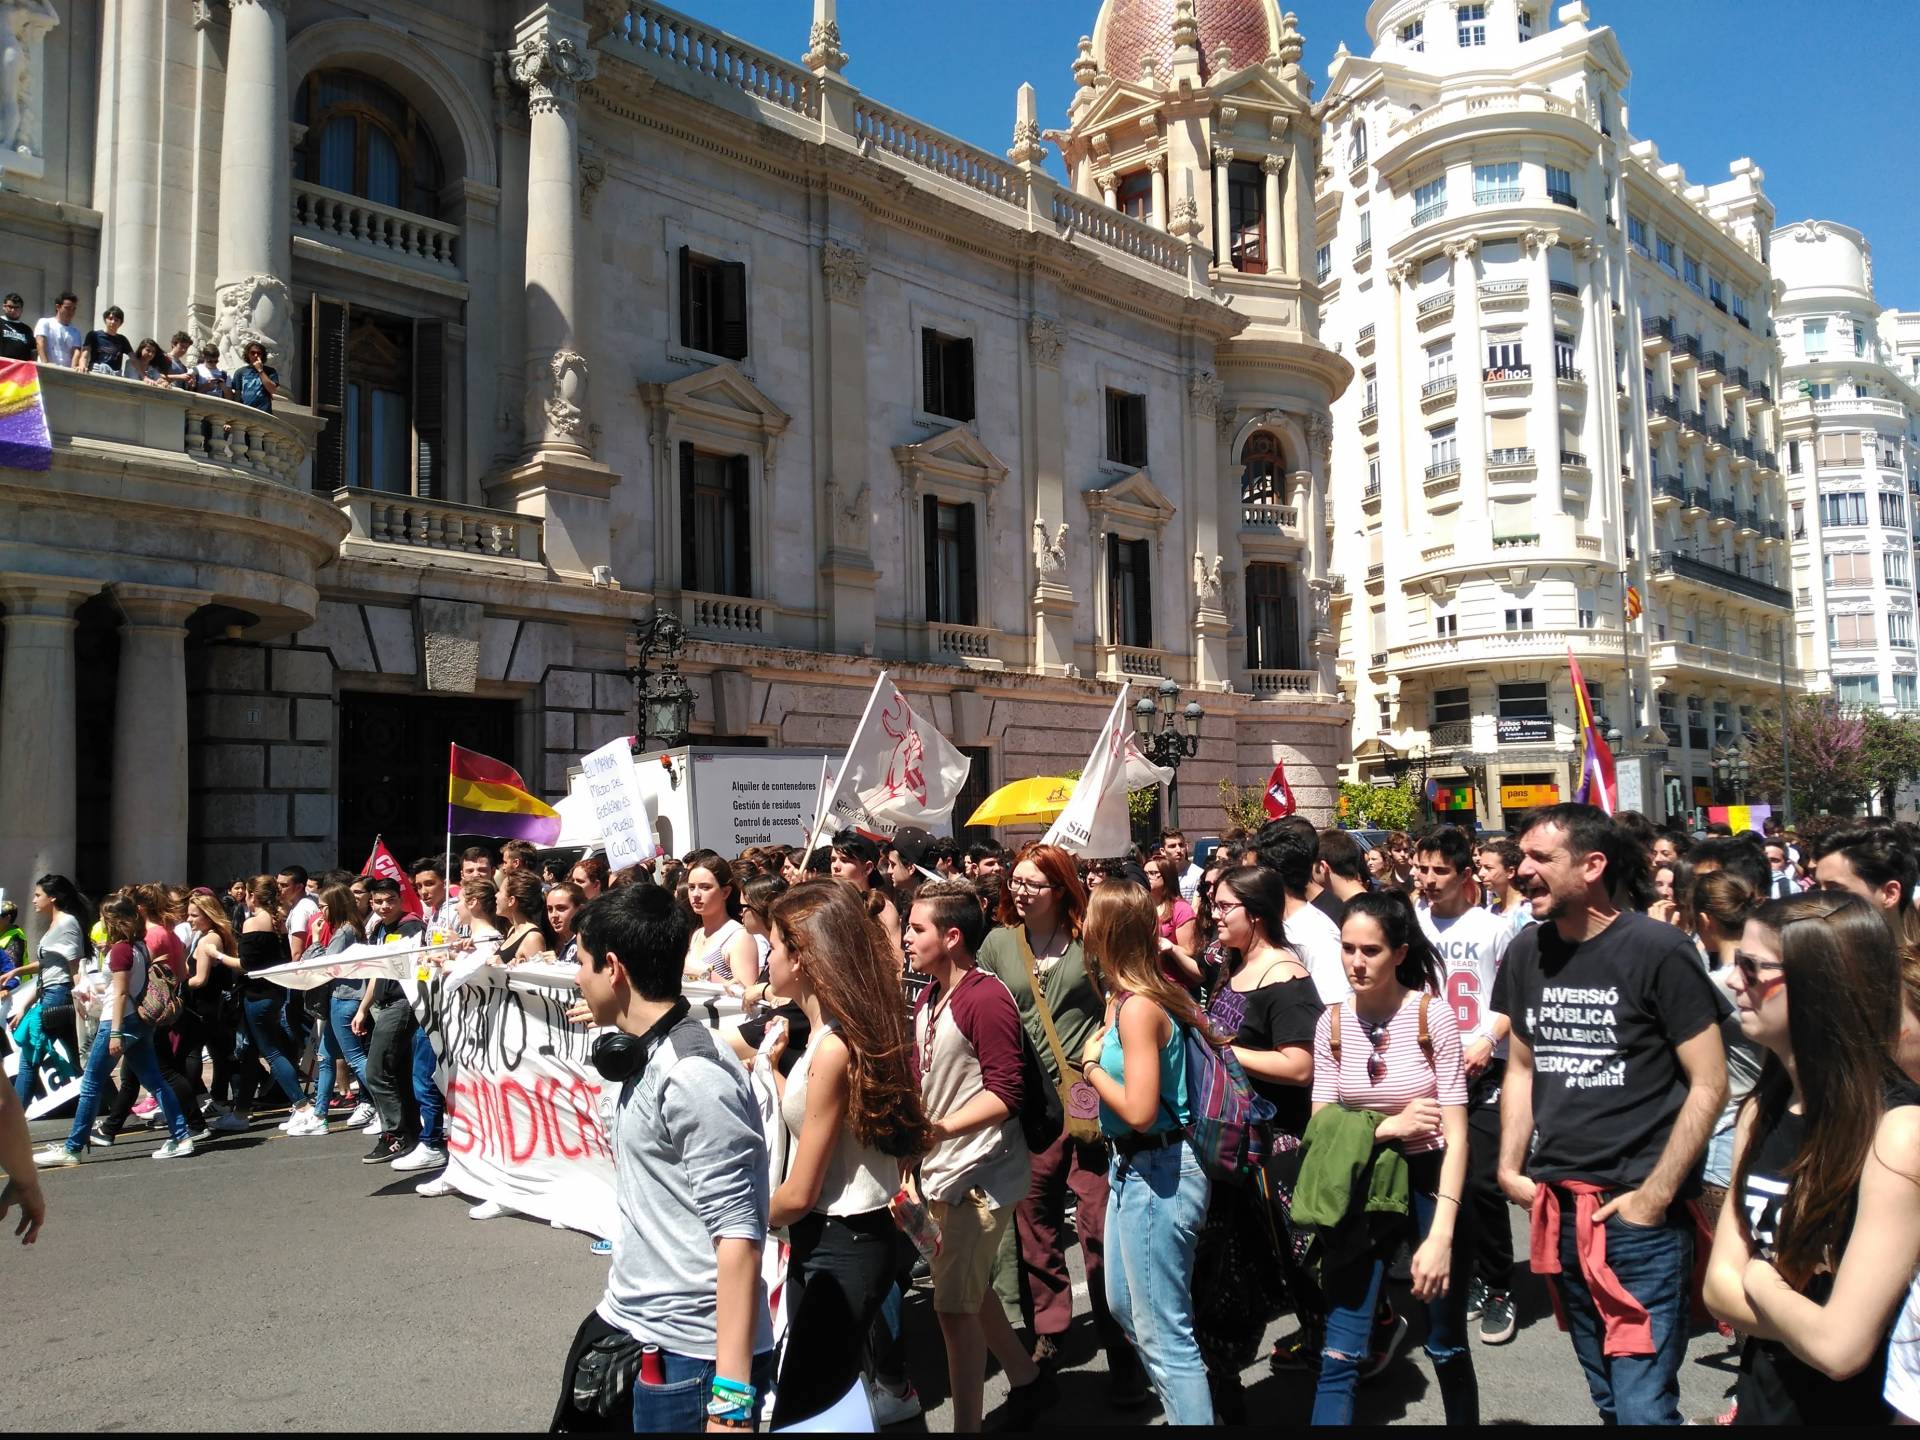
x=56, y=340
x=982, y=1059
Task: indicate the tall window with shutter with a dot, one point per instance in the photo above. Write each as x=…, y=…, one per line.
x=380, y=383
x=716, y=540
x=713, y=305
x=946, y=375
x=1129, y=593
x=327, y=391
x=1273, y=619
x=1247, y=218
x=1126, y=428
x=953, y=586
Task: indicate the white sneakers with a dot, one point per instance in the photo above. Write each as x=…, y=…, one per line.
x=488, y=1210
x=55, y=1157
x=891, y=1407
x=175, y=1150
x=421, y=1157
x=363, y=1114
x=432, y=1188
x=305, y=1122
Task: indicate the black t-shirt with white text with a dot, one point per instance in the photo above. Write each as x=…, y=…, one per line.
x=16, y=340
x=1603, y=1018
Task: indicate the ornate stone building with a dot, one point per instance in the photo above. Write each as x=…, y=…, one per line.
x=584, y=309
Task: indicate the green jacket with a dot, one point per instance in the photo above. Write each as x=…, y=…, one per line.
x=1342, y=1163
x=1076, y=1006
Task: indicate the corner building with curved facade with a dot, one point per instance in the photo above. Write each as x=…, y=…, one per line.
x=1566, y=393
x=585, y=309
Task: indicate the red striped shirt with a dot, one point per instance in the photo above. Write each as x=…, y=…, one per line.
x=1408, y=1076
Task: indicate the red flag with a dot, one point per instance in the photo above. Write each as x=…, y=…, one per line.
x=1279, y=796
x=382, y=863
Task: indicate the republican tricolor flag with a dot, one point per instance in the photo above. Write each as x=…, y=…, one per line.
x=487, y=797
x=1597, y=783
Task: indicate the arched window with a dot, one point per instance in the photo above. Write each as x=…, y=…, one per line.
x=1260, y=473
x=364, y=139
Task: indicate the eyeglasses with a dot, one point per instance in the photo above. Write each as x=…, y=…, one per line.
x=1752, y=970
x=1030, y=887
x=1380, y=1035
x=1223, y=908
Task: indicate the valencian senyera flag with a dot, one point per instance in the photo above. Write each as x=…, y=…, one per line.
x=24, y=441
x=488, y=797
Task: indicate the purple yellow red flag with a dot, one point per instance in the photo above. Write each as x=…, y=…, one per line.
x=1597, y=783
x=25, y=443
x=487, y=797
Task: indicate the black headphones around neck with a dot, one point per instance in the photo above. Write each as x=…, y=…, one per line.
x=620, y=1057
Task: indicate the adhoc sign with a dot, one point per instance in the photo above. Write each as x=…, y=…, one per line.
x=1524, y=729
x=1525, y=797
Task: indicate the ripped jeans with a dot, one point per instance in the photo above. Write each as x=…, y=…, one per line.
x=1353, y=1292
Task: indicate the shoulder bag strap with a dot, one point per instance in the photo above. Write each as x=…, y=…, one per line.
x=1426, y=1035
x=1333, y=1031
x=1040, y=1004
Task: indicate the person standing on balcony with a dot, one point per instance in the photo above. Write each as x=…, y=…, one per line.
x=16, y=336
x=148, y=365
x=206, y=378
x=105, y=352
x=256, y=382
x=56, y=335
x=176, y=365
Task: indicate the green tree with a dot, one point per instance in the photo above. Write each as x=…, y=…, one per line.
x=1378, y=807
x=1829, y=763
x=1892, y=748
x=1246, y=805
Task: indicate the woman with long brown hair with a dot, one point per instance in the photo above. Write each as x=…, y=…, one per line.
x=850, y=1103
x=1157, y=1187
x=1038, y=955
x=720, y=948
x=211, y=997
x=1812, y=1260
x=263, y=944
x=1722, y=903
x=157, y=918
x=337, y=1004
x=524, y=912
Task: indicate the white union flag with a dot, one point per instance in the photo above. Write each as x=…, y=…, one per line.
x=1095, y=823
x=899, y=770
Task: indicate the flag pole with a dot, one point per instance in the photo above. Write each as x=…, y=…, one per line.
x=819, y=799
x=841, y=777
x=446, y=871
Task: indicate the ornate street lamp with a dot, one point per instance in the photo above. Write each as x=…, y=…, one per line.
x=1731, y=767
x=663, y=697
x=1168, y=734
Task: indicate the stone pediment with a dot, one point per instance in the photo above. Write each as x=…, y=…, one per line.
x=1120, y=104
x=1258, y=85
x=956, y=454
x=722, y=397
x=1134, y=498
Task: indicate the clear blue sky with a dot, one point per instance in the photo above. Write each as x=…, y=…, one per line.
x=1818, y=94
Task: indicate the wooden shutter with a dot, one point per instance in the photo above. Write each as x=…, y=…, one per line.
x=689, y=550
x=1142, y=595
x=969, y=571
x=686, y=298
x=731, y=341
x=930, y=373
x=429, y=409
x=962, y=353
x=1116, y=631
x=930, y=529
x=328, y=367
x=738, y=483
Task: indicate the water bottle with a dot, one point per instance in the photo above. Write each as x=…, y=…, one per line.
x=916, y=1223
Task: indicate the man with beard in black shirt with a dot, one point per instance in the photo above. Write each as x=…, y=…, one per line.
x=1616, y=1072
x=16, y=336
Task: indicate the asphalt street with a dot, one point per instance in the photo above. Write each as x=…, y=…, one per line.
x=272, y=1284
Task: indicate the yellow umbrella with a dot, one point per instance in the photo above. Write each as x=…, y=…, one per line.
x=1024, y=802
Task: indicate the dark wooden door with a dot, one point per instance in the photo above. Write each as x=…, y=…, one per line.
x=393, y=767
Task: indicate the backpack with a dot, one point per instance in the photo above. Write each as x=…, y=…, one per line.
x=159, y=1002
x=1227, y=1130
x=1333, y=1031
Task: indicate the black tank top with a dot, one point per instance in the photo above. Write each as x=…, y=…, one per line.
x=1776, y=1387
x=261, y=950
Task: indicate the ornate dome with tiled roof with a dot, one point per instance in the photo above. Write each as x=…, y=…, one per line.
x=1130, y=32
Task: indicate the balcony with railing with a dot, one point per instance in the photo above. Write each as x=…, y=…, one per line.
x=1572, y=460
x=1123, y=662
x=1434, y=308
x=435, y=532
x=1714, y=360
x=1510, y=457
x=1669, y=487
x=1368, y=412
x=1279, y=684
x=1656, y=331
x=1698, y=499
x=1432, y=210
x=1450, y=734
x=1364, y=341
x=1685, y=347
x=969, y=646
x=1448, y=466
x=1570, y=375
x=1456, y=651
x=726, y=617
x=1270, y=519
x=1438, y=392
x=1672, y=564
x=1693, y=420
x=683, y=42
x=1563, y=289
x=1498, y=195
x=1564, y=197
x=362, y=227
x=1723, y=512
x=1663, y=407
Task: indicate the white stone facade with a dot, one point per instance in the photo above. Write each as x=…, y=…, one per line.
x=1527, y=441
x=1852, y=422
x=539, y=278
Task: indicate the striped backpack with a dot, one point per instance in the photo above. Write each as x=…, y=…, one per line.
x=1228, y=1128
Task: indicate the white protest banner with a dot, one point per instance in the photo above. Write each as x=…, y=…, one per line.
x=626, y=826
x=397, y=961
x=1142, y=772
x=898, y=770
x=1096, y=823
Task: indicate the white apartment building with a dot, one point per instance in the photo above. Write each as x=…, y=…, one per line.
x=1852, y=418
x=1566, y=389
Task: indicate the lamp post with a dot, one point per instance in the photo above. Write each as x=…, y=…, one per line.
x=662, y=696
x=1168, y=734
x=1731, y=767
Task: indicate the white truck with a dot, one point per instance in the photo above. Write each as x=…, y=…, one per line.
x=713, y=797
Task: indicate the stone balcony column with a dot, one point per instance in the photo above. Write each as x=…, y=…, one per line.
x=557, y=477
x=1157, y=167
x=37, y=742
x=1053, y=602
x=1206, y=397
x=255, y=256
x=149, y=819
x=1222, y=227
x=1276, y=215
x=1470, y=387
x=1543, y=414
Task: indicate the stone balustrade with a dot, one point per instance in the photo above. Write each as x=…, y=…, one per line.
x=1272, y=684
x=1125, y=662
x=681, y=40
x=1283, y=519
x=335, y=217
x=411, y=523
x=968, y=645
x=1077, y=215
x=892, y=133
x=726, y=617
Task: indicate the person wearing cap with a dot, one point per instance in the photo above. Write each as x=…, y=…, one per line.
x=906, y=852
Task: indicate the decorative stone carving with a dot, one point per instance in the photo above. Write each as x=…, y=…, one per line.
x=1027, y=147
x=1320, y=593
x=1222, y=156
x=1290, y=46
x=1206, y=390
x=1046, y=338
x=846, y=268
x=1049, y=556
x=1537, y=240
x=1208, y=584
x=1106, y=180
x=1319, y=436
x=255, y=307
x=593, y=174
x=823, y=47
x=1157, y=164
x=565, y=406
x=551, y=69
x=1272, y=164
x=1186, y=26
x=1085, y=67
x=1186, y=217
x=1461, y=249
x=850, y=515
x=23, y=25
x=1399, y=275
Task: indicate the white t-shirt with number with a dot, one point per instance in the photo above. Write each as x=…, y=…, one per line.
x=1470, y=947
x=1316, y=939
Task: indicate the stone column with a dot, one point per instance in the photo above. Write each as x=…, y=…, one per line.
x=1276, y=256
x=847, y=568
x=37, y=743
x=255, y=256
x=149, y=817
x=1206, y=396
x=557, y=478
x=1299, y=199
x=1108, y=181
x=1053, y=587
x=1157, y=167
x=1472, y=521
x=129, y=152
x=1543, y=419
x=1222, y=226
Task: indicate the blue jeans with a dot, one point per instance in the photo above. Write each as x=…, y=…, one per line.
x=136, y=1043
x=1353, y=1294
x=426, y=1094
x=679, y=1406
x=39, y=1044
x=1655, y=1264
x=267, y=1024
x=1156, y=1202
x=338, y=1043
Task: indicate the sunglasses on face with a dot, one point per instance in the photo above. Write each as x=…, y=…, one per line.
x=1761, y=978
